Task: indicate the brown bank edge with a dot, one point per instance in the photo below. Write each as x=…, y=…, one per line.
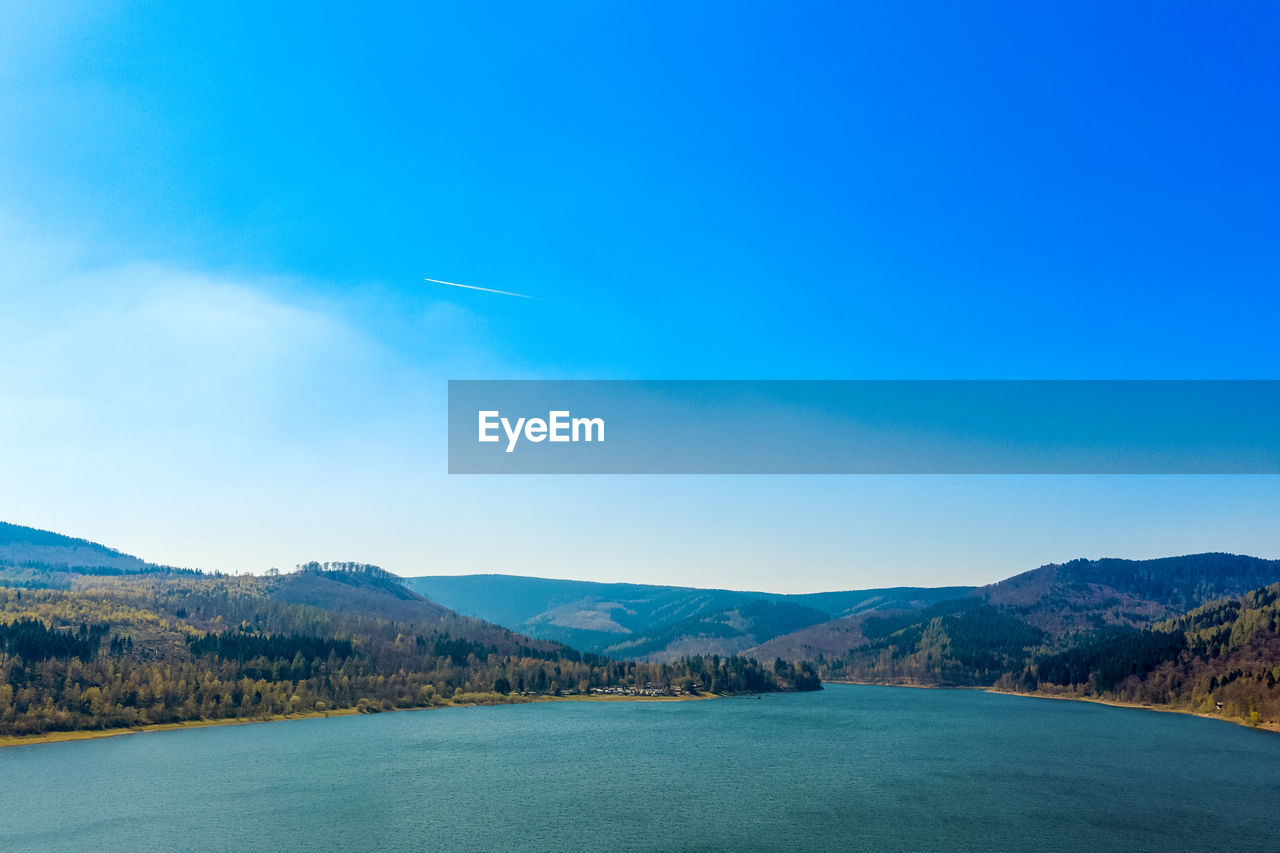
x=94, y=734
x=1163, y=709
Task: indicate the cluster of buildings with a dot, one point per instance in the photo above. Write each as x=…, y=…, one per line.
x=647, y=690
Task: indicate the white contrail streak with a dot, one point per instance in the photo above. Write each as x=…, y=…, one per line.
x=485, y=289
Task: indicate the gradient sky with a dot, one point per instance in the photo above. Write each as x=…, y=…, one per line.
x=217, y=348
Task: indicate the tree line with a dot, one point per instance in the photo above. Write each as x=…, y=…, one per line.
x=161, y=649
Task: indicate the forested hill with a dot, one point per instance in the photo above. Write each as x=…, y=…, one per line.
x=1221, y=658
x=1185, y=632
x=105, y=650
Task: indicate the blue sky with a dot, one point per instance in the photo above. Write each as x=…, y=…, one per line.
x=217, y=349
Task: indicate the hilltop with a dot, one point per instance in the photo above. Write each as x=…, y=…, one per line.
x=46, y=558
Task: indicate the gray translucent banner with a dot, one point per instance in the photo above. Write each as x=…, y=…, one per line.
x=864, y=427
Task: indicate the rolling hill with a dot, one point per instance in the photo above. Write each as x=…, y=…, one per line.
x=91, y=638
x=1196, y=632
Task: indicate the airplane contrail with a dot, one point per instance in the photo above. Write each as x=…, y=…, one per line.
x=485, y=289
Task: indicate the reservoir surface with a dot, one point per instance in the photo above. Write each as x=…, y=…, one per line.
x=849, y=768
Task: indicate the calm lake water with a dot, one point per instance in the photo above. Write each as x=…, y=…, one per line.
x=851, y=768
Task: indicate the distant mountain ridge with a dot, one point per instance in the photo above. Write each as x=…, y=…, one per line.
x=658, y=623
x=1064, y=598
x=647, y=622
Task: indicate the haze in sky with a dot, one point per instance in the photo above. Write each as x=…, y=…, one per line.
x=218, y=349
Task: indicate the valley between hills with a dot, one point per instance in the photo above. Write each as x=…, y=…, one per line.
x=96, y=641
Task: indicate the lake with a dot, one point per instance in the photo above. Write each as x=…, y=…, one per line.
x=850, y=768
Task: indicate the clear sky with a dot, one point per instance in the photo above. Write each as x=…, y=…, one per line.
x=217, y=348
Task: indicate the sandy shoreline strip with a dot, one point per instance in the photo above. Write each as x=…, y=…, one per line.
x=94, y=734
x=1164, y=709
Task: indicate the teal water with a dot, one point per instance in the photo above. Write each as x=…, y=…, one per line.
x=850, y=768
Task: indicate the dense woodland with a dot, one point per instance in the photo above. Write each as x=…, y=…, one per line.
x=1222, y=657
x=159, y=647
x=959, y=643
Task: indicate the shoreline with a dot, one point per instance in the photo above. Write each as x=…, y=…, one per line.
x=1164, y=709
x=96, y=734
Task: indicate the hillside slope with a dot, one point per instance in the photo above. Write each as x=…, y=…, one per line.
x=53, y=554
